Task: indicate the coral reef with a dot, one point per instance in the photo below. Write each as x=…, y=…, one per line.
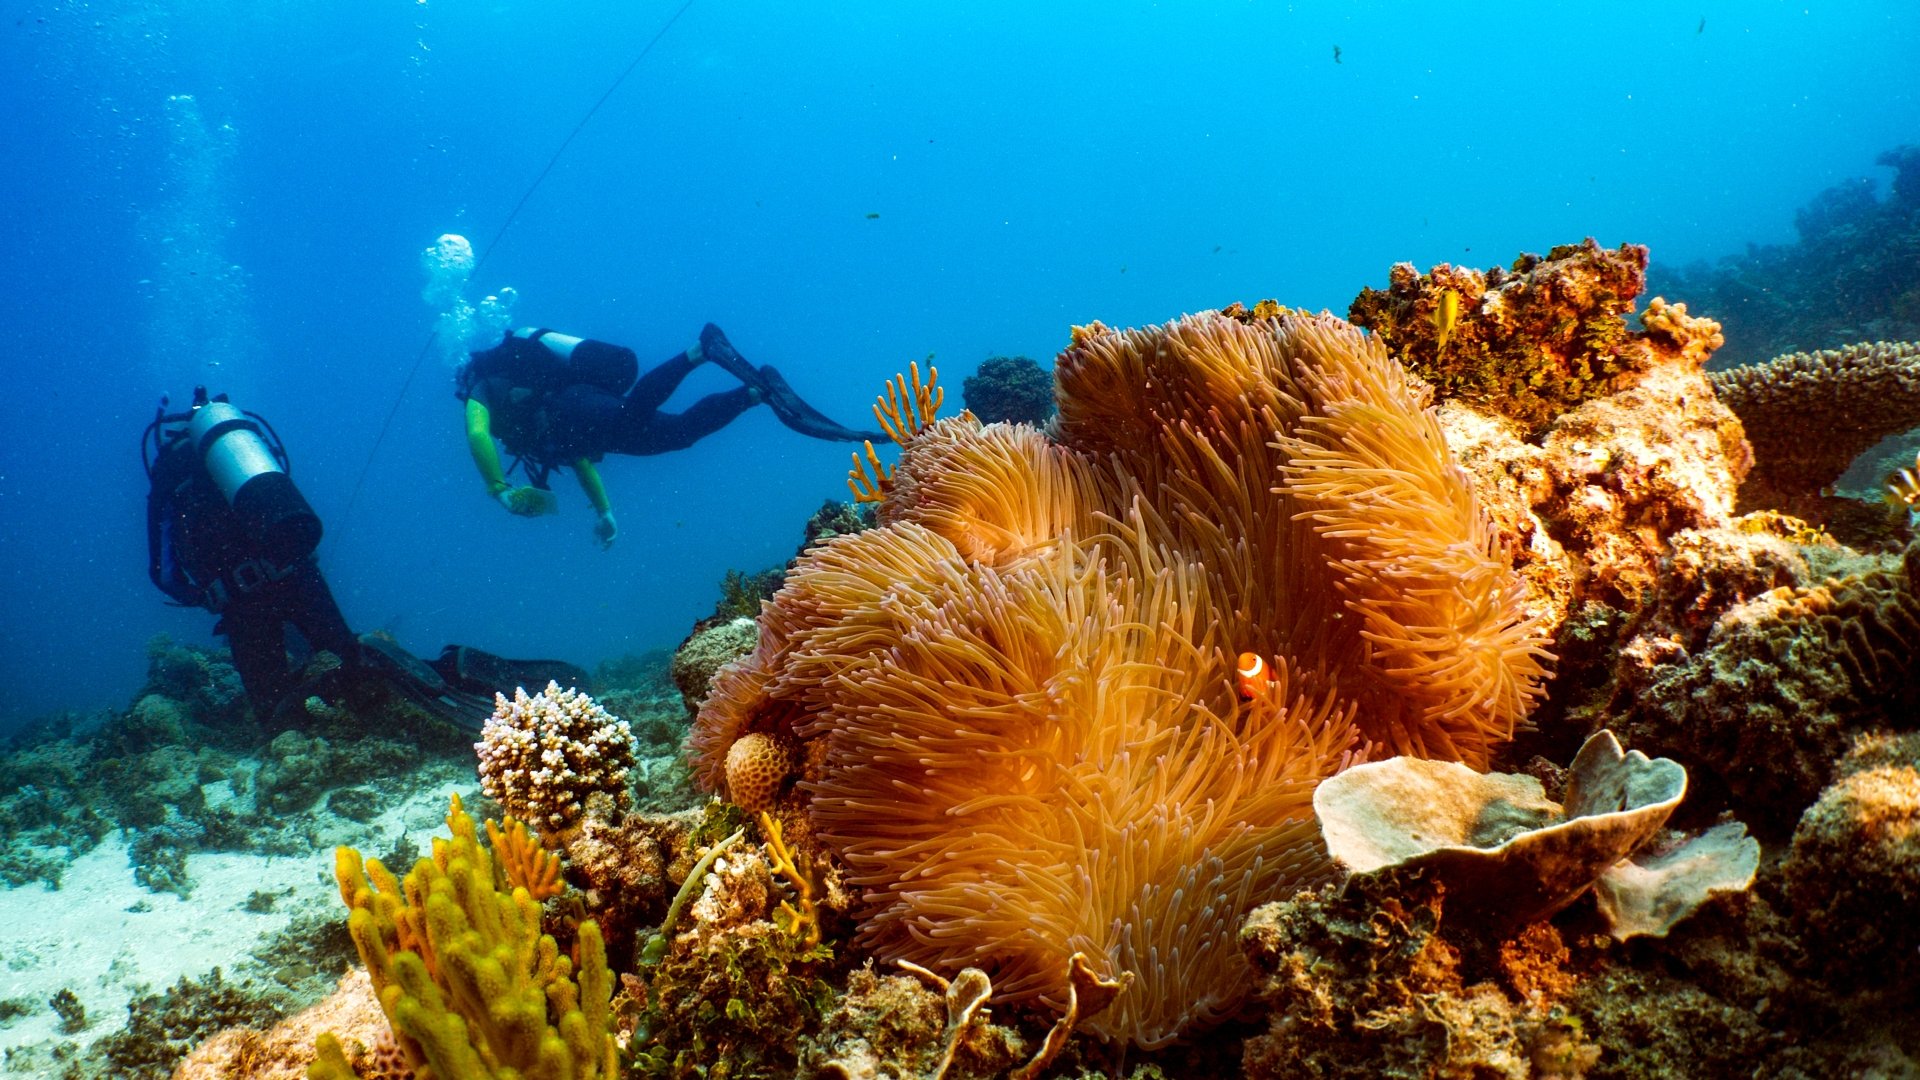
x=893, y=1025
x=1852, y=274
x=1527, y=343
x=1360, y=982
x=285, y=1050
x=162, y=1028
x=1009, y=389
x=975, y=682
x=1765, y=681
x=542, y=756
x=1809, y=415
x=731, y=992
x=709, y=647
x=1856, y=860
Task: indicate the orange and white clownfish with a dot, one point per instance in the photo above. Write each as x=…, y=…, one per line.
x=1251, y=675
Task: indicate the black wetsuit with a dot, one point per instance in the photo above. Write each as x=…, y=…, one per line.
x=202, y=553
x=552, y=411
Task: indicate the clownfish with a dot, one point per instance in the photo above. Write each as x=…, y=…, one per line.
x=1251, y=675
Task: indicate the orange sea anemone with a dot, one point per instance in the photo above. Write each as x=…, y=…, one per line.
x=1017, y=698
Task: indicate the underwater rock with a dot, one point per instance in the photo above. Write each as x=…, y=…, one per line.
x=1503, y=849
x=705, y=651
x=897, y=1025
x=1010, y=390
x=1853, y=876
x=285, y=1050
x=1359, y=982
x=296, y=771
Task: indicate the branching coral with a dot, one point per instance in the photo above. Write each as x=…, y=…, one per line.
x=1017, y=695
x=523, y=862
x=541, y=756
x=471, y=985
x=1809, y=415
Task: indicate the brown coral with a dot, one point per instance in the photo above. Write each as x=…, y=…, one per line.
x=757, y=764
x=1023, y=733
x=1772, y=693
x=1809, y=415
x=1528, y=343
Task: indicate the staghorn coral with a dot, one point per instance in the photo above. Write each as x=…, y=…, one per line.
x=1016, y=695
x=1809, y=415
x=1526, y=343
x=542, y=756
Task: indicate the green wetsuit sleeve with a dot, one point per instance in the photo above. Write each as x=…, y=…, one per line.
x=486, y=456
x=590, y=483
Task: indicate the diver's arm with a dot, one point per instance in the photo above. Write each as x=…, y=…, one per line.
x=604, y=529
x=486, y=457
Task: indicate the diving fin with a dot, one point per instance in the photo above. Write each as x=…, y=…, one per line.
x=476, y=671
x=792, y=410
x=419, y=683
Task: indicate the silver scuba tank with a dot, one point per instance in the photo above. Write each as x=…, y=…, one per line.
x=251, y=478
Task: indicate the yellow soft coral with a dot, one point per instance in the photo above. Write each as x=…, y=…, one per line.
x=472, y=987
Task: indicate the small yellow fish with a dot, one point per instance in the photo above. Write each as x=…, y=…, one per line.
x=1445, y=314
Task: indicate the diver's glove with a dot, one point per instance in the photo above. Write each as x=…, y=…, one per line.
x=526, y=501
x=606, y=529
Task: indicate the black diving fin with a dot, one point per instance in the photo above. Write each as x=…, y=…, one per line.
x=420, y=683
x=476, y=671
x=792, y=410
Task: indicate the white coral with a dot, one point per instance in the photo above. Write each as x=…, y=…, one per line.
x=542, y=756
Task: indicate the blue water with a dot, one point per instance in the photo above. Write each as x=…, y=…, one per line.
x=237, y=194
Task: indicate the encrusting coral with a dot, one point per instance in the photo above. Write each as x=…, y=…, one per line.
x=1017, y=700
x=472, y=987
x=1809, y=415
x=542, y=756
x=1504, y=340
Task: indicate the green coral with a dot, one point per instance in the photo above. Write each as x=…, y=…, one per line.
x=472, y=987
x=1528, y=343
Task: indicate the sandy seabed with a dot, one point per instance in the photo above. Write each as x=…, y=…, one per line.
x=110, y=940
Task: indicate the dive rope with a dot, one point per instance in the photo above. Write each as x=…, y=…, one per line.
x=487, y=253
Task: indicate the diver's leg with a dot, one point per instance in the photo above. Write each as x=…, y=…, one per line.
x=676, y=431
x=651, y=390
x=311, y=608
x=258, y=640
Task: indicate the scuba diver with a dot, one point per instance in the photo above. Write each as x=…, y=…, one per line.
x=228, y=531
x=555, y=400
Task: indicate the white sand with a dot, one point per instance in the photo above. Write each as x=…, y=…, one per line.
x=108, y=939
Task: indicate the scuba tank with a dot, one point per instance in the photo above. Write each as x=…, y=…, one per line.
x=252, y=474
x=242, y=456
